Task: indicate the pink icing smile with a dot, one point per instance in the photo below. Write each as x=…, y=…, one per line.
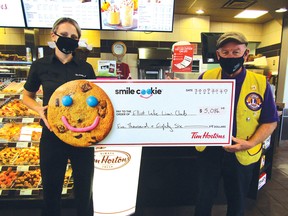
x=85, y=129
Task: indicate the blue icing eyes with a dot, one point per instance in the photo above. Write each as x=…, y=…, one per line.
x=92, y=101
x=67, y=100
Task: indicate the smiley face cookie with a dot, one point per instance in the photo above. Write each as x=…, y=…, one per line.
x=80, y=113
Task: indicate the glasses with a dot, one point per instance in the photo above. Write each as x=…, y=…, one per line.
x=74, y=37
x=236, y=53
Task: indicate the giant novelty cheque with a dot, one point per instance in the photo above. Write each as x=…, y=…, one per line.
x=170, y=112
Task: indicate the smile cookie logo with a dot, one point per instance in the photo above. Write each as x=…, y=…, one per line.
x=80, y=113
x=144, y=93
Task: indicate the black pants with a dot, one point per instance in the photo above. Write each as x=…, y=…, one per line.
x=54, y=155
x=213, y=164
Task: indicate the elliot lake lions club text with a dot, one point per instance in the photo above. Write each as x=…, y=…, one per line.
x=199, y=111
x=150, y=113
x=166, y=125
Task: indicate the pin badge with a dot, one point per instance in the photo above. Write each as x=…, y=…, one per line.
x=253, y=87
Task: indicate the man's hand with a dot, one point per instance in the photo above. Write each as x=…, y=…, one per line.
x=239, y=145
x=262, y=133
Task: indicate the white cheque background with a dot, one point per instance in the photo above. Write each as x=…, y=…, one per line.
x=190, y=112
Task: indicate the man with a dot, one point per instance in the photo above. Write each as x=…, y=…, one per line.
x=255, y=118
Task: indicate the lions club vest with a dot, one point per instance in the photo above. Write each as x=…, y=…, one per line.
x=247, y=112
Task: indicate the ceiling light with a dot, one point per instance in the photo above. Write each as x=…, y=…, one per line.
x=281, y=10
x=251, y=14
x=200, y=11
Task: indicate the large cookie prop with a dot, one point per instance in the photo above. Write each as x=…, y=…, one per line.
x=80, y=113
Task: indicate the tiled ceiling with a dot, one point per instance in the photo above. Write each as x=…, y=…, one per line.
x=217, y=12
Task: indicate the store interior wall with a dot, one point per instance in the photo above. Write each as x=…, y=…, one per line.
x=271, y=33
x=12, y=36
x=186, y=27
x=282, y=88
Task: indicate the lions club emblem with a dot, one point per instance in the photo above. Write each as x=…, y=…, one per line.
x=253, y=101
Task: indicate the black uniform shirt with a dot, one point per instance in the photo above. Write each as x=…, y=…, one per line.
x=51, y=73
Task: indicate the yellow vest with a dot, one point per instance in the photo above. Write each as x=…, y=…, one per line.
x=252, y=94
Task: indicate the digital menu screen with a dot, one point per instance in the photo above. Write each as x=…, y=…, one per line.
x=137, y=15
x=11, y=13
x=43, y=13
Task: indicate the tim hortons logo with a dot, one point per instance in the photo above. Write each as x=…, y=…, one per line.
x=111, y=159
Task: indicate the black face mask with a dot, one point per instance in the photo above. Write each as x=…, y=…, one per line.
x=231, y=65
x=66, y=45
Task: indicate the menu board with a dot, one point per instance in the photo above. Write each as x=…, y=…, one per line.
x=43, y=13
x=137, y=15
x=11, y=13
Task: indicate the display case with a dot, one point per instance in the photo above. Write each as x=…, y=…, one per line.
x=20, y=132
x=14, y=69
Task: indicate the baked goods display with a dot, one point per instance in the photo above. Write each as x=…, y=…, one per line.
x=19, y=156
x=11, y=57
x=80, y=113
x=13, y=177
x=8, y=155
x=7, y=178
x=10, y=131
x=20, y=132
x=27, y=156
x=13, y=88
x=28, y=179
x=15, y=108
x=14, y=180
x=68, y=177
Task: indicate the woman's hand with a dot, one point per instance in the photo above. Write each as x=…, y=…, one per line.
x=42, y=112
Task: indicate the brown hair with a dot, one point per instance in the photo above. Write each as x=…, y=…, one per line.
x=69, y=20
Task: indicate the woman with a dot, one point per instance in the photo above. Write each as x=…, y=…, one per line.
x=51, y=72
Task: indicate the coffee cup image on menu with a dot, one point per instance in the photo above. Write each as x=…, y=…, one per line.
x=119, y=13
x=126, y=13
x=113, y=15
